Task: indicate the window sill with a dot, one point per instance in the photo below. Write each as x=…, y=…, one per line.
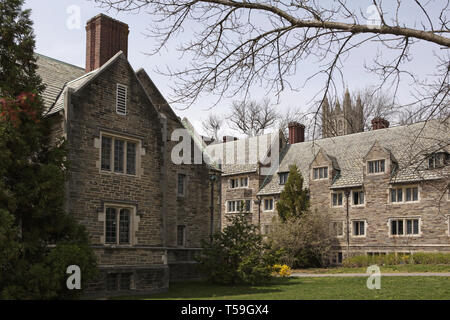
x=116, y=246
x=405, y=236
x=238, y=212
x=375, y=173
x=118, y=174
x=405, y=202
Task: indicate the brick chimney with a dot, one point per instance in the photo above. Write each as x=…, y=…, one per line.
x=379, y=123
x=296, y=132
x=105, y=37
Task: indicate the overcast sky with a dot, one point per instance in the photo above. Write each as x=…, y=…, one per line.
x=58, y=37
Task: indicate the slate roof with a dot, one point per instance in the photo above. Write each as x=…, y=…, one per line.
x=245, y=152
x=60, y=76
x=407, y=144
x=55, y=74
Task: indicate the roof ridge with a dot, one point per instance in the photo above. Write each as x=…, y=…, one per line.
x=82, y=76
x=247, y=138
x=346, y=136
x=60, y=61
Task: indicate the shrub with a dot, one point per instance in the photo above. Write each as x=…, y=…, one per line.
x=281, y=270
x=237, y=255
x=397, y=258
x=303, y=242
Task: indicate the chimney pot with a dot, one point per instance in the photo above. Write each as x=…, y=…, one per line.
x=296, y=132
x=105, y=37
x=379, y=123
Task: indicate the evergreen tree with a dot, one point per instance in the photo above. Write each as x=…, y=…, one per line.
x=237, y=255
x=17, y=59
x=294, y=200
x=38, y=239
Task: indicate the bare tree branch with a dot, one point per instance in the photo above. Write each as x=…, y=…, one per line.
x=252, y=118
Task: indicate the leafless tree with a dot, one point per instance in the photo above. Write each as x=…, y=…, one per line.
x=296, y=114
x=251, y=117
x=238, y=44
x=212, y=125
x=377, y=104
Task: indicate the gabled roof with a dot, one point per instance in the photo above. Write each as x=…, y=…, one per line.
x=331, y=159
x=407, y=144
x=80, y=82
x=155, y=95
x=246, y=160
x=55, y=74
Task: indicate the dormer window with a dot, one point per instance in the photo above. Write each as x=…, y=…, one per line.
x=438, y=160
x=377, y=166
x=283, y=177
x=320, y=173
x=121, y=100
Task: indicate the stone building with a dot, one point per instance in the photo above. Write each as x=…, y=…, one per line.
x=339, y=121
x=244, y=164
x=385, y=190
x=146, y=215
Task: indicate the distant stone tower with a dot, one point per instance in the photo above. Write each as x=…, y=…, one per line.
x=339, y=122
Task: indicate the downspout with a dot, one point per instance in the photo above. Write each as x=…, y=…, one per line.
x=163, y=214
x=259, y=211
x=211, y=207
x=347, y=195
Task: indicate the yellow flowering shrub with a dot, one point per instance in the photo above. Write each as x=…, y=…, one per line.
x=281, y=270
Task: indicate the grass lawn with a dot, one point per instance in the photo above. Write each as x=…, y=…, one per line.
x=386, y=269
x=315, y=288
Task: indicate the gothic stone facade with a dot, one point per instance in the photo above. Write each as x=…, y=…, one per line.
x=146, y=216
x=380, y=196
x=339, y=121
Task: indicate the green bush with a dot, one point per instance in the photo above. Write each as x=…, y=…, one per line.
x=304, y=242
x=237, y=255
x=397, y=258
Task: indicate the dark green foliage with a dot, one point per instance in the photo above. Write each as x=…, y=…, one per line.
x=17, y=60
x=38, y=239
x=237, y=255
x=294, y=200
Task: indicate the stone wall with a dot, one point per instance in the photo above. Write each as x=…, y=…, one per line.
x=152, y=192
x=433, y=210
x=245, y=193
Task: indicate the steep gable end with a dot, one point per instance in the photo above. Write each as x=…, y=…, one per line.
x=155, y=95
